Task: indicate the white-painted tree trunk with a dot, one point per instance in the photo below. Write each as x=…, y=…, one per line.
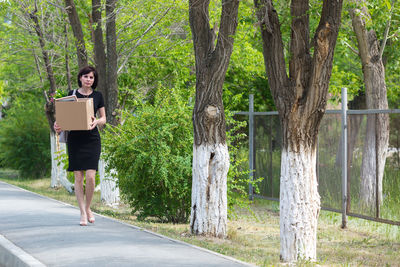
x=299, y=205
x=209, y=190
x=54, y=166
x=373, y=154
x=58, y=172
x=368, y=169
x=377, y=136
x=108, y=185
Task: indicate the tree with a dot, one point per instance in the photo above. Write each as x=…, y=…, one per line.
x=58, y=173
x=210, y=151
x=78, y=33
x=105, y=55
x=300, y=99
x=105, y=58
x=377, y=135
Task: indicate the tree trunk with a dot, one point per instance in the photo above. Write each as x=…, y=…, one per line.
x=299, y=203
x=301, y=102
x=377, y=135
x=58, y=171
x=99, y=50
x=108, y=186
x=112, y=63
x=210, y=152
x=46, y=59
x=67, y=70
x=78, y=33
x=107, y=67
x=50, y=108
x=209, y=196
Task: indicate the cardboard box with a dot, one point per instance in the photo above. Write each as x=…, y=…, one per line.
x=74, y=115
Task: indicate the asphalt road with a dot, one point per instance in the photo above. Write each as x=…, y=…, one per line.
x=39, y=231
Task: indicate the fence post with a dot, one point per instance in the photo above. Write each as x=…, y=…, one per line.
x=251, y=144
x=344, y=157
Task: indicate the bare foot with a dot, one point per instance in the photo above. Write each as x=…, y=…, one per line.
x=83, y=221
x=91, y=218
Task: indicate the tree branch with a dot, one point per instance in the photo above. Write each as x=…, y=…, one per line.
x=324, y=46
x=300, y=59
x=355, y=51
x=138, y=42
x=273, y=51
x=200, y=26
x=229, y=21
x=385, y=37
x=78, y=33
x=361, y=34
x=46, y=58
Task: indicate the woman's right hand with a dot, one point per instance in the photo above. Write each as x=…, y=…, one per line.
x=57, y=128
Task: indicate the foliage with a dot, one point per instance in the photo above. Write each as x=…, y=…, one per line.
x=17, y=71
x=246, y=73
x=160, y=54
x=152, y=153
x=238, y=179
x=347, y=71
x=24, y=139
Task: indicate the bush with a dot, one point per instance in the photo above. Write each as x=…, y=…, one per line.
x=238, y=179
x=24, y=139
x=152, y=153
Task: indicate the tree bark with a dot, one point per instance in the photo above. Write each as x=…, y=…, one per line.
x=299, y=203
x=210, y=152
x=46, y=59
x=58, y=172
x=49, y=108
x=112, y=63
x=67, y=70
x=108, y=186
x=301, y=101
x=99, y=50
x=377, y=135
x=107, y=67
x=78, y=33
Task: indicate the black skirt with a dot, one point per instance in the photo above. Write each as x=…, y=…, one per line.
x=84, y=149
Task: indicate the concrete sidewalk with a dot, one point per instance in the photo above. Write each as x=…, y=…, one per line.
x=39, y=231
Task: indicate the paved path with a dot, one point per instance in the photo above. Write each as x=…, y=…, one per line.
x=39, y=231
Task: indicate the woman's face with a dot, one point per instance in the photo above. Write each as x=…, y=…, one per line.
x=87, y=80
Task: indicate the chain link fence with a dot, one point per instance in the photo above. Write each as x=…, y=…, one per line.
x=339, y=167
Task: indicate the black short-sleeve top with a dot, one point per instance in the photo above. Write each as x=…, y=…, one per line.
x=98, y=100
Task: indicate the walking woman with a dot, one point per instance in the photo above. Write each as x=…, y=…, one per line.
x=84, y=147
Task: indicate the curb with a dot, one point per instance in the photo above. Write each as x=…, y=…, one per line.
x=13, y=256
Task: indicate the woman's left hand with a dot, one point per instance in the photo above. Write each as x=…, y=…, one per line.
x=93, y=124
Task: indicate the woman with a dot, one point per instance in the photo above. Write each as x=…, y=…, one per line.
x=84, y=146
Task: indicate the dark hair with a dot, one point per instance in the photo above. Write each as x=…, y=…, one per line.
x=86, y=70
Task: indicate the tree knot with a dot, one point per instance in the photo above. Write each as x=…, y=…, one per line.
x=323, y=42
x=212, y=112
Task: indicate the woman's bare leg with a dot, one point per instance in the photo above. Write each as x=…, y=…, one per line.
x=80, y=196
x=90, y=184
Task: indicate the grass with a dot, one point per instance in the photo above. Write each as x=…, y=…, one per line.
x=256, y=239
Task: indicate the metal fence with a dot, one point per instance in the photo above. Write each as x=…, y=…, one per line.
x=339, y=177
